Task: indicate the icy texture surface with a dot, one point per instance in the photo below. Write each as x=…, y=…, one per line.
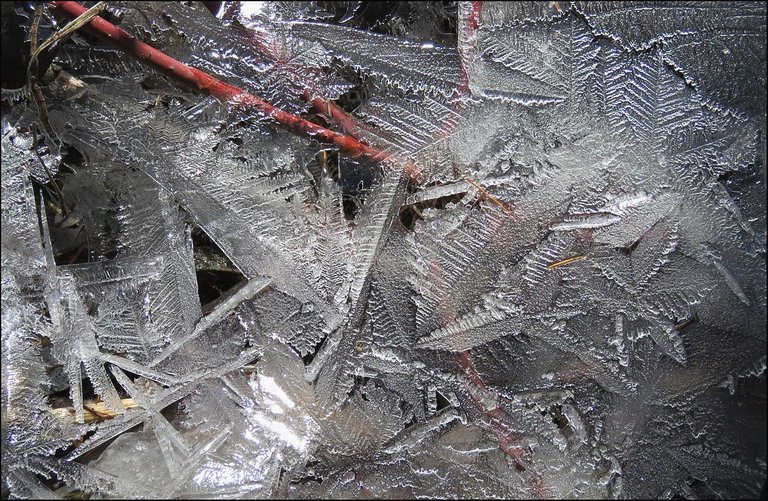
x=569, y=302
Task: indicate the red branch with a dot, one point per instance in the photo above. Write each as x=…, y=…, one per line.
x=474, y=17
x=205, y=83
x=333, y=111
x=349, y=124
x=472, y=24
x=498, y=423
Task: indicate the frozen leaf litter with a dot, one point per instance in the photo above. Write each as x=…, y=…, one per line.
x=395, y=249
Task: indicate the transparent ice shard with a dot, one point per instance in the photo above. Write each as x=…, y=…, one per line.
x=333, y=365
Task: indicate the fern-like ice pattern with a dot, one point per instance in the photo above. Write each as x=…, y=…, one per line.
x=567, y=301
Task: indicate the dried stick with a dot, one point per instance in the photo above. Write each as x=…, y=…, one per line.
x=37, y=95
x=34, y=87
x=563, y=262
x=56, y=187
x=203, y=82
x=92, y=411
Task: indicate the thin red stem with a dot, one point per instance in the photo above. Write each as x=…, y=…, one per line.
x=474, y=18
x=205, y=83
x=347, y=122
x=472, y=24
x=498, y=423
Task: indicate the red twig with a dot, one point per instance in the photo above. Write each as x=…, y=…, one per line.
x=474, y=17
x=205, y=83
x=498, y=423
x=352, y=126
x=472, y=24
x=347, y=122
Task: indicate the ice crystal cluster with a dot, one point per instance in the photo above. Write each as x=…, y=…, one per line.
x=569, y=300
